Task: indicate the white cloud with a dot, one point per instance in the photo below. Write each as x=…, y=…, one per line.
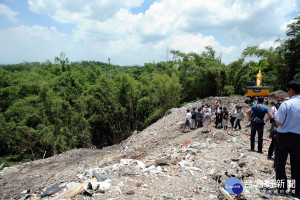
x=107, y=29
x=70, y=11
x=30, y=43
x=8, y=13
x=269, y=44
x=192, y=43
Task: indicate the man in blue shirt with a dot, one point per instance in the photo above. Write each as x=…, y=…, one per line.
x=288, y=139
x=258, y=122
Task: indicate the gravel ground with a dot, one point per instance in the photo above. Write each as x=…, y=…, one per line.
x=159, y=162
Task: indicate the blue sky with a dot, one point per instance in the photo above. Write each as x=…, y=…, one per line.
x=135, y=31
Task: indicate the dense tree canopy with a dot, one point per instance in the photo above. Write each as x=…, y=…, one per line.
x=52, y=107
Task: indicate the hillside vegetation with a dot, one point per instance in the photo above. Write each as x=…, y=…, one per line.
x=48, y=108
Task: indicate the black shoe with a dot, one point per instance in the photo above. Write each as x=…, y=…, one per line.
x=252, y=150
x=260, y=152
x=270, y=158
x=296, y=195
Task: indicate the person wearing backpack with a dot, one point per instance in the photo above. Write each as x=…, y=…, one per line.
x=257, y=123
x=193, y=124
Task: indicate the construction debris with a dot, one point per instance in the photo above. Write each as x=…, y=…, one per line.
x=158, y=163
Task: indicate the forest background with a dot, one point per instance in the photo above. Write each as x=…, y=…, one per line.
x=51, y=107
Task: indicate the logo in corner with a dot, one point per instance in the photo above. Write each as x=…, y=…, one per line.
x=233, y=186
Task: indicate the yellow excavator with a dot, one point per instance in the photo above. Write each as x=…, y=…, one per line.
x=256, y=89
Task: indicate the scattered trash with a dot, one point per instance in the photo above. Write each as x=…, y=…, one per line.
x=99, y=177
x=53, y=189
x=130, y=192
x=26, y=194
x=225, y=193
x=166, y=166
x=1, y=165
x=93, y=187
x=72, y=185
x=104, y=157
x=186, y=143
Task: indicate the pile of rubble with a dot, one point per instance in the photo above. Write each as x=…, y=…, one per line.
x=160, y=162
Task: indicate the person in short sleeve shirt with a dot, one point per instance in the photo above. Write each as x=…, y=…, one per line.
x=288, y=138
x=187, y=123
x=258, y=111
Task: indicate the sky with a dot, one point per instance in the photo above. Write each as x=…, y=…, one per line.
x=134, y=32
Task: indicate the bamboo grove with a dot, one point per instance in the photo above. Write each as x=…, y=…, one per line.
x=57, y=106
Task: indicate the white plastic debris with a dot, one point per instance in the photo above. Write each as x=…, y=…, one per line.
x=140, y=164
x=93, y=187
x=72, y=185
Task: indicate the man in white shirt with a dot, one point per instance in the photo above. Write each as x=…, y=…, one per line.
x=272, y=120
x=188, y=120
x=288, y=139
x=208, y=107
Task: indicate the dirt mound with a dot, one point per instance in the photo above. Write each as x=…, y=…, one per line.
x=159, y=162
x=278, y=95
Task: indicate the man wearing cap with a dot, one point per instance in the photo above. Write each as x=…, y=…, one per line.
x=278, y=103
x=288, y=139
x=217, y=105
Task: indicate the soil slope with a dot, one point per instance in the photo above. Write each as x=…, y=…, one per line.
x=159, y=162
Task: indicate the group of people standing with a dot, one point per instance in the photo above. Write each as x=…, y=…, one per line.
x=200, y=118
x=285, y=134
x=222, y=117
x=285, y=130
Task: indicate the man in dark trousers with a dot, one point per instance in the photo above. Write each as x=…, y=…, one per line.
x=278, y=103
x=258, y=122
x=288, y=140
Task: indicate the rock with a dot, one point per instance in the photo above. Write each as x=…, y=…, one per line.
x=138, y=184
x=159, y=162
x=130, y=192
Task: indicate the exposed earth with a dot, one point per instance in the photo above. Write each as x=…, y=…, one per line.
x=159, y=162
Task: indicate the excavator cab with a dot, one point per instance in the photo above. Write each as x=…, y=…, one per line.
x=255, y=89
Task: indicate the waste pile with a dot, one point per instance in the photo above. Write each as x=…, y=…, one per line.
x=159, y=162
